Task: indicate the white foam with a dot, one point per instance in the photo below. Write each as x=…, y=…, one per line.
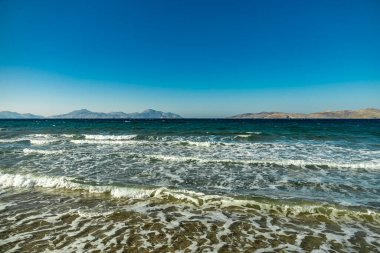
x=41, y=135
x=31, y=181
x=108, y=142
x=41, y=142
x=284, y=162
x=12, y=140
x=41, y=139
x=195, y=143
x=174, y=158
x=93, y=214
x=110, y=137
x=119, y=192
x=42, y=152
x=131, y=141
x=4, y=206
x=185, y=196
x=243, y=135
x=68, y=135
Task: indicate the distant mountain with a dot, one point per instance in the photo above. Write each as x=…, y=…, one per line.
x=82, y=114
x=15, y=115
x=147, y=114
x=369, y=113
x=153, y=114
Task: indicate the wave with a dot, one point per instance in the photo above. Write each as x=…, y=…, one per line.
x=43, y=152
x=131, y=141
x=42, y=139
x=286, y=207
x=49, y=136
x=117, y=139
x=42, y=142
x=284, y=163
x=109, y=142
x=33, y=181
x=194, y=143
x=243, y=135
x=67, y=135
x=110, y=137
x=12, y=140
x=247, y=134
x=254, y=132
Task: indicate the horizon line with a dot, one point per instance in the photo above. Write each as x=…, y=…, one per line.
x=181, y=117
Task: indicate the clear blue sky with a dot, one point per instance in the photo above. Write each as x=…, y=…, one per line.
x=198, y=58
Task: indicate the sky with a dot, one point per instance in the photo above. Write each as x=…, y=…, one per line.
x=197, y=58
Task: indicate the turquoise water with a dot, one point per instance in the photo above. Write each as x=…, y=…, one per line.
x=296, y=164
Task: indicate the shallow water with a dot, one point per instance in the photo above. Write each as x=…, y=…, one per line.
x=190, y=185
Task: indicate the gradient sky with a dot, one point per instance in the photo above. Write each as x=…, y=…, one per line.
x=198, y=58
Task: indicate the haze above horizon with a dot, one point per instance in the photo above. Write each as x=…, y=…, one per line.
x=195, y=58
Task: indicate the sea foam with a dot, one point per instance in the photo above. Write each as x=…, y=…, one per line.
x=284, y=162
x=110, y=137
x=42, y=152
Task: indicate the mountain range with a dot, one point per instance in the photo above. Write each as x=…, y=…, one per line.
x=86, y=114
x=15, y=115
x=369, y=113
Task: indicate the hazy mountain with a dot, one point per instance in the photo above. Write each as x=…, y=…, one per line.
x=153, y=114
x=147, y=114
x=346, y=114
x=369, y=113
x=82, y=114
x=15, y=115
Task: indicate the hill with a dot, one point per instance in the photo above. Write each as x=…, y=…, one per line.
x=369, y=113
x=15, y=115
x=147, y=114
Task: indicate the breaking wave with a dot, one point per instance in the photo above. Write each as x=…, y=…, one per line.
x=41, y=142
x=32, y=181
x=39, y=151
x=284, y=163
x=110, y=137
x=107, y=142
x=182, y=196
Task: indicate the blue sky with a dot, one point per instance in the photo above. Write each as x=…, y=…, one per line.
x=198, y=58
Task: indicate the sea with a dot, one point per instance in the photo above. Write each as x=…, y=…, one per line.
x=190, y=185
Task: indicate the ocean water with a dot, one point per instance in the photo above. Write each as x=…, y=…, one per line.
x=189, y=185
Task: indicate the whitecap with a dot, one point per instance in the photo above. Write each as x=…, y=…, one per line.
x=40, y=151
x=195, y=143
x=12, y=140
x=108, y=142
x=41, y=142
x=285, y=162
x=109, y=137
x=243, y=135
